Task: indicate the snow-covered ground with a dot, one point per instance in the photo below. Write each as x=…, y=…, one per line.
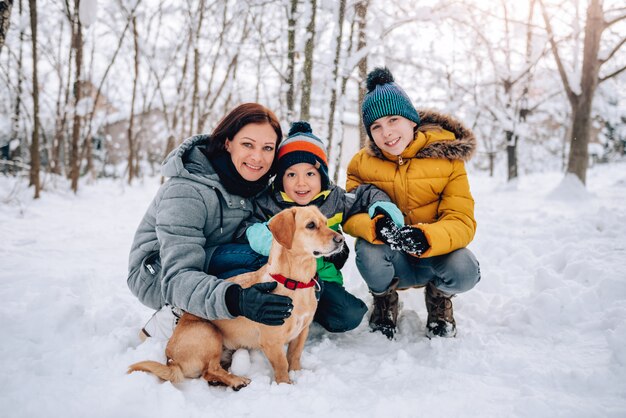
x=543, y=334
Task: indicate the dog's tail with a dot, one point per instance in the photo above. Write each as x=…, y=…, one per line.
x=171, y=372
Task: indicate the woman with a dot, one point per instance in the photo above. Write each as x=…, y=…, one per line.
x=417, y=158
x=184, y=246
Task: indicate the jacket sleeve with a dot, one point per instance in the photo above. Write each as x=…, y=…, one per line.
x=365, y=195
x=359, y=225
x=455, y=226
x=259, y=214
x=180, y=220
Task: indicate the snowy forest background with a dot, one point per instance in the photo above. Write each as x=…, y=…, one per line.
x=93, y=94
x=92, y=89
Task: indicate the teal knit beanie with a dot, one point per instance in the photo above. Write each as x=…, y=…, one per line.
x=385, y=98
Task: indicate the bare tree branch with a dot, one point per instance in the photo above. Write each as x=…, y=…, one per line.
x=613, y=21
x=270, y=60
x=559, y=63
x=617, y=47
x=613, y=74
x=111, y=62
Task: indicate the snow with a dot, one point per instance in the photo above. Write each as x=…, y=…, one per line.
x=88, y=12
x=543, y=333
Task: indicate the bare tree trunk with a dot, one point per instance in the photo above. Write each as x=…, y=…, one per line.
x=203, y=109
x=333, y=90
x=291, y=58
x=492, y=159
x=511, y=137
x=182, y=95
x=15, y=125
x=58, y=143
x=257, y=90
x=578, y=159
x=179, y=108
x=195, y=97
x=34, y=147
x=87, y=146
x=361, y=13
x=131, y=123
x=511, y=152
x=77, y=44
x=581, y=116
x=522, y=110
x=581, y=103
x=5, y=19
x=305, y=100
x=344, y=84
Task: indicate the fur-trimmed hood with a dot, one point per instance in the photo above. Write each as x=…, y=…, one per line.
x=461, y=148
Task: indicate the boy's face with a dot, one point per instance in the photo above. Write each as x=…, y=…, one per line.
x=302, y=182
x=393, y=133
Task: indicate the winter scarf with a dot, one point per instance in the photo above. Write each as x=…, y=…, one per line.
x=232, y=180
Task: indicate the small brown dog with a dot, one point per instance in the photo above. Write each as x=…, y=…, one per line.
x=300, y=235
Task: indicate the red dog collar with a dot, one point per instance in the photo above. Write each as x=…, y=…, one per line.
x=294, y=284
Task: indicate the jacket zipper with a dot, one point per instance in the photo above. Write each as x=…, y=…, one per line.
x=400, y=160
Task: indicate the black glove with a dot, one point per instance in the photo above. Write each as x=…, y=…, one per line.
x=413, y=240
x=339, y=259
x=258, y=304
x=388, y=232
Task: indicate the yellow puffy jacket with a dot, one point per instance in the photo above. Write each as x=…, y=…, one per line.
x=428, y=182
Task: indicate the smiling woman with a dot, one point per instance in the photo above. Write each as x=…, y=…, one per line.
x=252, y=150
x=183, y=248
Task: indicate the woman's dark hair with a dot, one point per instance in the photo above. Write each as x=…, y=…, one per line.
x=239, y=117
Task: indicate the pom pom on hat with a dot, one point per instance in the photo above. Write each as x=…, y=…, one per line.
x=385, y=98
x=377, y=77
x=300, y=126
x=301, y=146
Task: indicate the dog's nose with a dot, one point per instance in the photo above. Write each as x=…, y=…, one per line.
x=338, y=238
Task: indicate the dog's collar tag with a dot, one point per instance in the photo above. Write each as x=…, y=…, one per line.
x=292, y=284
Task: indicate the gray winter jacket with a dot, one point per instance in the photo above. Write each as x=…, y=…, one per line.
x=190, y=215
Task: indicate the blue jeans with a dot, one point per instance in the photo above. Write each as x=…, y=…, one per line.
x=229, y=260
x=452, y=273
x=337, y=309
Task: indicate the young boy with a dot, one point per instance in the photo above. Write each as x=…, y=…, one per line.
x=301, y=180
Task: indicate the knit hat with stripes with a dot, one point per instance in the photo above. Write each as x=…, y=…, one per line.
x=301, y=146
x=385, y=98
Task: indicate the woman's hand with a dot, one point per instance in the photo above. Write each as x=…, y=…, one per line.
x=258, y=304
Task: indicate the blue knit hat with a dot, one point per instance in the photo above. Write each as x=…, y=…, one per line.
x=301, y=146
x=385, y=98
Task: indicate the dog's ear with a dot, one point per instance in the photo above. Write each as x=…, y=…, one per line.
x=283, y=226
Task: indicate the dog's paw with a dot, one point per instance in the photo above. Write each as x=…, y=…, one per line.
x=285, y=379
x=244, y=382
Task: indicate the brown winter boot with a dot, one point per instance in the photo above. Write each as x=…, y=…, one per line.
x=385, y=314
x=440, y=322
